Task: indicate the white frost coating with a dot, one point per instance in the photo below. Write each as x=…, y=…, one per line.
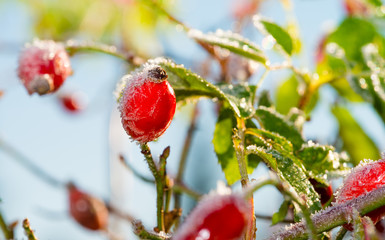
x=206, y=206
x=222, y=189
x=136, y=78
x=37, y=53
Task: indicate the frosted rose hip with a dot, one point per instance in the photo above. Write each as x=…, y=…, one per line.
x=88, y=211
x=218, y=217
x=147, y=104
x=363, y=179
x=43, y=66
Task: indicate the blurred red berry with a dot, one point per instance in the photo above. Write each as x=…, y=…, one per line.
x=244, y=8
x=43, y=66
x=355, y=7
x=72, y=102
x=87, y=210
x=220, y=217
x=147, y=104
x=363, y=179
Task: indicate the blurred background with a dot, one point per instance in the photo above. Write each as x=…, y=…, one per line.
x=83, y=145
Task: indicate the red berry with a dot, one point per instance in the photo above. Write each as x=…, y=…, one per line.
x=88, y=211
x=43, y=66
x=147, y=104
x=219, y=217
x=355, y=7
x=363, y=179
x=244, y=8
x=73, y=102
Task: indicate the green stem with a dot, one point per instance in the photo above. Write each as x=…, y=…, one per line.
x=269, y=218
x=28, y=231
x=305, y=211
x=159, y=182
x=184, y=155
x=334, y=216
x=341, y=233
x=254, y=186
x=75, y=47
x=134, y=171
x=7, y=231
x=142, y=233
x=181, y=188
x=239, y=142
x=29, y=165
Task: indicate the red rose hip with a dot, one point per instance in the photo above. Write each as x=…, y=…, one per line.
x=147, y=104
x=88, y=211
x=219, y=217
x=43, y=66
x=363, y=179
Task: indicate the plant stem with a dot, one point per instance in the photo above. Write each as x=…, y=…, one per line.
x=239, y=141
x=7, y=231
x=305, y=211
x=239, y=145
x=142, y=233
x=134, y=171
x=184, y=155
x=256, y=185
x=269, y=218
x=341, y=233
x=335, y=216
x=176, y=186
x=159, y=182
x=29, y=165
x=73, y=47
x=28, y=231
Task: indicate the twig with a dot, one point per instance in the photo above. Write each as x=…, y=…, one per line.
x=185, y=151
x=74, y=47
x=142, y=233
x=335, y=216
x=341, y=233
x=134, y=171
x=159, y=181
x=28, y=231
x=120, y=214
x=7, y=231
x=29, y=165
x=177, y=186
x=266, y=217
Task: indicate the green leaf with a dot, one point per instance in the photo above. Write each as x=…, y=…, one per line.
x=224, y=148
x=233, y=42
x=264, y=99
x=355, y=141
x=344, y=89
x=281, y=214
x=319, y=160
x=280, y=35
x=188, y=85
x=275, y=122
x=241, y=95
x=272, y=139
x=290, y=171
x=287, y=96
x=352, y=34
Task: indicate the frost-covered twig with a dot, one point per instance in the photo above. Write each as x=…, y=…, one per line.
x=28, y=231
x=335, y=216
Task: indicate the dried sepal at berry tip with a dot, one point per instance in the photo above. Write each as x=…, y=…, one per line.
x=44, y=65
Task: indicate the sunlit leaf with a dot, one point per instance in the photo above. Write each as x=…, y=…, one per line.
x=275, y=122
x=233, y=42
x=281, y=214
x=355, y=141
x=280, y=35
x=224, y=148
x=189, y=85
